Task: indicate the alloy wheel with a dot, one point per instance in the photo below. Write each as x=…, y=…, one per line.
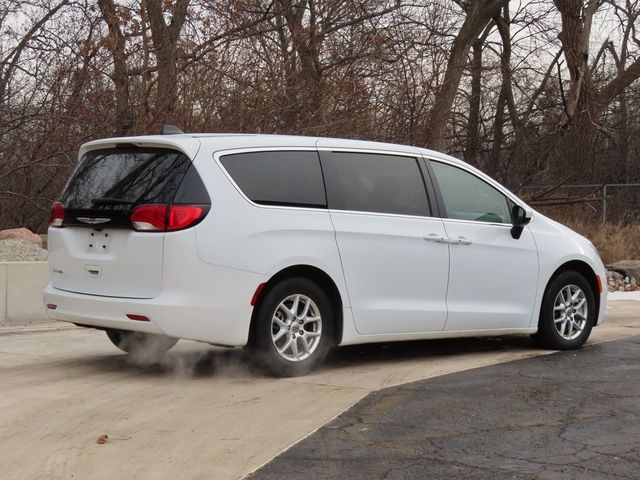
x=296, y=327
x=570, y=312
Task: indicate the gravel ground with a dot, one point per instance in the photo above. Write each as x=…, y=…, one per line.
x=13, y=250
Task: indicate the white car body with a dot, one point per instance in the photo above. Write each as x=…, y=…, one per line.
x=469, y=278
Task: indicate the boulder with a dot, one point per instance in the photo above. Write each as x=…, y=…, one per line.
x=627, y=268
x=614, y=276
x=23, y=234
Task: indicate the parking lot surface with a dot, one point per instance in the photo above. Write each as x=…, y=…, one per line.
x=563, y=416
x=203, y=412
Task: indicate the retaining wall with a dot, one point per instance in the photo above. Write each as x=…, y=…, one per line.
x=21, y=285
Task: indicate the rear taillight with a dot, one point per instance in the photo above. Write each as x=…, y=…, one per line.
x=57, y=215
x=166, y=218
x=151, y=218
x=183, y=216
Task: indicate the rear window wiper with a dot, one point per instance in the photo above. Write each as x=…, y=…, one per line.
x=110, y=201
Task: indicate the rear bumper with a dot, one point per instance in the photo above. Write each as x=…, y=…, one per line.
x=219, y=315
x=99, y=311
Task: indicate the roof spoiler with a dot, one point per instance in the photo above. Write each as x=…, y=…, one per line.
x=170, y=130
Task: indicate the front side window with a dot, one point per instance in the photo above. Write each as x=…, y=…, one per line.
x=368, y=182
x=278, y=178
x=466, y=197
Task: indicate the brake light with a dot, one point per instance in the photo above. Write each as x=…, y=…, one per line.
x=183, y=216
x=150, y=218
x=165, y=218
x=57, y=215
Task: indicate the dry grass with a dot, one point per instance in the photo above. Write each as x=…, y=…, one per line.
x=614, y=241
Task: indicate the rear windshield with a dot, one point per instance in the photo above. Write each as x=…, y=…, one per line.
x=119, y=178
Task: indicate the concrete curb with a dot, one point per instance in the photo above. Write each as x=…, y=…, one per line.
x=21, y=285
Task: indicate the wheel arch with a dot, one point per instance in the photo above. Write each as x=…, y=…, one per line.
x=318, y=276
x=584, y=269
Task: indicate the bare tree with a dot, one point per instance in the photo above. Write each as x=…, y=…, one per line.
x=10, y=61
x=473, y=78
x=585, y=102
x=116, y=44
x=477, y=15
x=165, y=38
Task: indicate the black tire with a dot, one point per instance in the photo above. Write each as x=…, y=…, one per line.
x=548, y=335
x=262, y=346
x=144, y=346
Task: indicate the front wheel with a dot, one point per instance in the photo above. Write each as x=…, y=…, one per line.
x=294, y=328
x=568, y=313
x=141, y=346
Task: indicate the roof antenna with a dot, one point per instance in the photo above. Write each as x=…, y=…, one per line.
x=170, y=130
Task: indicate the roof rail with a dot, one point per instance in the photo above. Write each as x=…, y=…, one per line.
x=170, y=130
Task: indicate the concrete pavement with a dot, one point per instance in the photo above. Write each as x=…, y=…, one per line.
x=201, y=412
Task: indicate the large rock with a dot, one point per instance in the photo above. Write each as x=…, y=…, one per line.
x=23, y=234
x=628, y=268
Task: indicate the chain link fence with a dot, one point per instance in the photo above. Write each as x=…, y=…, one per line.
x=610, y=202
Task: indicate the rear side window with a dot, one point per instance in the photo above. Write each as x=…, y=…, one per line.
x=380, y=183
x=467, y=197
x=278, y=178
x=117, y=179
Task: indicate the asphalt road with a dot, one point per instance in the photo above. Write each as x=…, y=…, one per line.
x=569, y=415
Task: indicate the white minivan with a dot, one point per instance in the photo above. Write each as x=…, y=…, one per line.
x=291, y=245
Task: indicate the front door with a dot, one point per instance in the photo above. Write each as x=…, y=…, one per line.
x=493, y=277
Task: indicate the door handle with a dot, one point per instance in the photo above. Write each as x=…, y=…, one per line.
x=434, y=237
x=462, y=241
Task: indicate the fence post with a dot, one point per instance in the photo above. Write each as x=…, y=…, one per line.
x=604, y=204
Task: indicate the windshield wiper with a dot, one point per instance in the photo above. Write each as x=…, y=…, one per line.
x=110, y=201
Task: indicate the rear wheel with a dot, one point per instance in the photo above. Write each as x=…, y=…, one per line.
x=568, y=313
x=294, y=328
x=144, y=346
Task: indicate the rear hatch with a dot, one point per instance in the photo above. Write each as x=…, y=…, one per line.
x=96, y=246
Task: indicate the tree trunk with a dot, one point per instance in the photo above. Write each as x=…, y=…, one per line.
x=306, y=41
x=505, y=100
x=123, y=114
x=579, y=127
x=290, y=111
x=479, y=14
x=493, y=163
x=165, y=38
x=624, y=148
x=473, y=125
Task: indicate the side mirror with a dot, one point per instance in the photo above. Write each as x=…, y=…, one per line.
x=520, y=217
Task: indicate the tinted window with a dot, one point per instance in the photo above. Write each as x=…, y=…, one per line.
x=192, y=189
x=378, y=183
x=467, y=197
x=133, y=176
x=278, y=178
